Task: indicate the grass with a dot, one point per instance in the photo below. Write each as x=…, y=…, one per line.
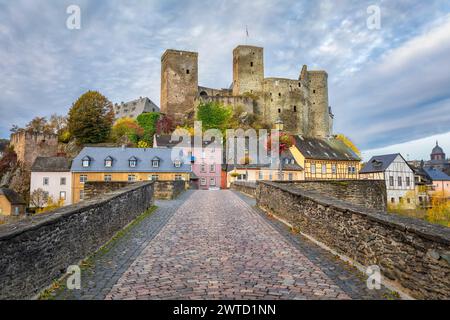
x=88, y=263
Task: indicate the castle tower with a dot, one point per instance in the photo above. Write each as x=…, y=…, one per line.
x=319, y=113
x=29, y=146
x=179, y=84
x=248, y=70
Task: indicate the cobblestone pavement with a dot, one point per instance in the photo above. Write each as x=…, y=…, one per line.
x=109, y=265
x=216, y=246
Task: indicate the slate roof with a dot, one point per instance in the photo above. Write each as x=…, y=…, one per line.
x=166, y=141
x=135, y=108
x=324, y=149
x=51, y=164
x=379, y=163
x=437, y=175
x=13, y=197
x=121, y=157
x=286, y=166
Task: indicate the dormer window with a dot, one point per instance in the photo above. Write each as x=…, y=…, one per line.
x=155, y=162
x=108, y=162
x=177, y=163
x=86, y=162
x=132, y=162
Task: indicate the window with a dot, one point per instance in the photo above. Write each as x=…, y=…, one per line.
x=81, y=194
x=203, y=181
x=270, y=176
x=155, y=163
x=324, y=169
x=177, y=163
x=188, y=71
x=107, y=178
x=83, y=178
x=400, y=199
x=16, y=211
x=333, y=169
x=279, y=95
x=391, y=181
x=392, y=200
x=86, y=162
x=212, y=168
x=290, y=176
x=408, y=200
x=313, y=168
x=242, y=177
x=251, y=64
x=212, y=182
x=46, y=181
x=155, y=177
x=108, y=162
x=260, y=175
x=132, y=162
x=62, y=195
x=314, y=91
x=408, y=181
x=279, y=110
x=62, y=181
x=295, y=108
x=203, y=168
x=399, y=181
x=131, y=177
x=178, y=177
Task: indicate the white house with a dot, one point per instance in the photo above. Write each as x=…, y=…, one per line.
x=397, y=173
x=52, y=174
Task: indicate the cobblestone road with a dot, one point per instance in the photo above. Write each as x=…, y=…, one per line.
x=214, y=245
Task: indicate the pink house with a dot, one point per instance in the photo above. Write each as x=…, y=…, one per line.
x=206, y=160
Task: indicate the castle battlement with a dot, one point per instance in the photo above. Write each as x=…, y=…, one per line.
x=301, y=103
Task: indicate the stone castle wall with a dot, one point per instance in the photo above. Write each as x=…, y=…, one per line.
x=410, y=252
x=319, y=115
x=30, y=146
x=248, y=70
x=247, y=104
x=179, y=84
x=35, y=252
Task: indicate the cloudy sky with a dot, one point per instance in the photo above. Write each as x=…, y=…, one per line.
x=387, y=87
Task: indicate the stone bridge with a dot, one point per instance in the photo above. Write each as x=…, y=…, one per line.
x=216, y=245
x=221, y=245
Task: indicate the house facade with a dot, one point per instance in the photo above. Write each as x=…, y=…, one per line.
x=398, y=175
x=257, y=172
x=11, y=203
x=53, y=176
x=325, y=159
x=440, y=182
x=206, y=159
x=134, y=108
x=125, y=164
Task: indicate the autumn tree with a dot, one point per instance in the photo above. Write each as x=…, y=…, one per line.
x=38, y=198
x=349, y=143
x=126, y=130
x=165, y=125
x=91, y=118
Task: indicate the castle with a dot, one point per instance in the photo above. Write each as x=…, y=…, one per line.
x=302, y=104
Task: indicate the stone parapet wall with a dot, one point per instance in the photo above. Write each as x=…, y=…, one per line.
x=367, y=193
x=36, y=251
x=411, y=253
x=94, y=189
x=247, y=188
x=167, y=190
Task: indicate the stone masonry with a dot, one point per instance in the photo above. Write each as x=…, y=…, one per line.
x=35, y=252
x=30, y=146
x=412, y=253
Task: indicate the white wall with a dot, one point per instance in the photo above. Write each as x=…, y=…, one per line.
x=399, y=168
x=54, y=187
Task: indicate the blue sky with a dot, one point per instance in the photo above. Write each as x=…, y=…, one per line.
x=387, y=86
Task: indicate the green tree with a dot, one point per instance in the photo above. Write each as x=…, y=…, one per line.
x=91, y=118
x=214, y=115
x=148, y=122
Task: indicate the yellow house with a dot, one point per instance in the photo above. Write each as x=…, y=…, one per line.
x=126, y=164
x=256, y=172
x=325, y=159
x=11, y=203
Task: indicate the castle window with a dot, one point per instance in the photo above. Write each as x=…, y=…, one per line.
x=251, y=64
x=279, y=94
x=279, y=110
x=188, y=71
x=314, y=91
x=299, y=85
x=295, y=108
